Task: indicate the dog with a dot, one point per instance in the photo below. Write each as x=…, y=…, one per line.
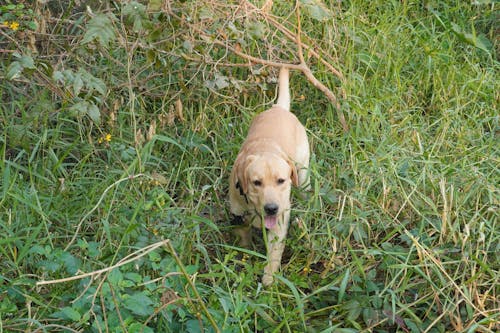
x=273, y=157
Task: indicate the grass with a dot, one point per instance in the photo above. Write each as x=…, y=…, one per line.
x=398, y=234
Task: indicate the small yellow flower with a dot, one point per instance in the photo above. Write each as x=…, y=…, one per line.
x=105, y=138
x=306, y=270
x=302, y=98
x=14, y=25
x=6, y=23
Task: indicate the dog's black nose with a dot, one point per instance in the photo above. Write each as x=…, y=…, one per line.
x=271, y=209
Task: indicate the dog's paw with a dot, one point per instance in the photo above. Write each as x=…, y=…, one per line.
x=267, y=279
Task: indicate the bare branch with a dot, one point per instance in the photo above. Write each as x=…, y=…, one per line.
x=290, y=35
x=310, y=76
x=303, y=67
x=134, y=256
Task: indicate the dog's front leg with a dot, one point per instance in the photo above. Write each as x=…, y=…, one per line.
x=275, y=246
x=245, y=235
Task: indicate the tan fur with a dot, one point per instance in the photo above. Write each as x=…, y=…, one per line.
x=274, y=156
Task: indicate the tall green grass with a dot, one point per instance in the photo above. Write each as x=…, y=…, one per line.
x=399, y=232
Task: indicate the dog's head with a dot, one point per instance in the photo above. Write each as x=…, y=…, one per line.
x=266, y=180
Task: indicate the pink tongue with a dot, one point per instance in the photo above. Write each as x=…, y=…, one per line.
x=270, y=221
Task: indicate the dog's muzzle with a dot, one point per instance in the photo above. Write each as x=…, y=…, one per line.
x=271, y=209
x=271, y=217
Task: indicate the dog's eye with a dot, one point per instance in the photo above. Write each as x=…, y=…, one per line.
x=281, y=181
x=257, y=182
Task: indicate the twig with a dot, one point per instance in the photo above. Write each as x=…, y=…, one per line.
x=290, y=35
x=158, y=310
x=298, y=40
x=309, y=75
x=60, y=327
x=136, y=255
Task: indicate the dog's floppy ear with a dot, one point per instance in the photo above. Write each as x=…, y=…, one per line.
x=294, y=175
x=240, y=179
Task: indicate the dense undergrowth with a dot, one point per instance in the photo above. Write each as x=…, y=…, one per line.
x=119, y=123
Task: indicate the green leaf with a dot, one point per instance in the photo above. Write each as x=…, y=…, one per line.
x=188, y=46
x=77, y=84
x=115, y=277
x=79, y=109
x=96, y=84
x=316, y=9
x=6, y=180
x=193, y=326
x=135, y=14
x=94, y=113
x=478, y=41
x=137, y=278
x=58, y=76
x=139, y=303
x=7, y=306
x=343, y=285
x=16, y=68
x=49, y=265
x=67, y=313
x=414, y=328
x=71, y=263
x=155, y=5
x=154, y=256
x=32, y=25
x=221, y=81
x=94, y=249
x=27, y=62
x=84, y=108
x=256, y=30
x=38, y=249
x=370, y=316
x=139, y=328
x=100, y=28
x=353, y=309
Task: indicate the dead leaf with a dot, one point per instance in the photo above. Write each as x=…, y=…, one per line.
x=178, y=109
x=151, y=131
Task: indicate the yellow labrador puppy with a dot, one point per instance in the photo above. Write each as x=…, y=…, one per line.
x=274, y=156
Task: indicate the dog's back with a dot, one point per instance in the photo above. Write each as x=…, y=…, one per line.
x=279, y=125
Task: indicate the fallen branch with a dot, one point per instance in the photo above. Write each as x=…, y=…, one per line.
x=309, y=75
x=132, y=257
x=290, y=35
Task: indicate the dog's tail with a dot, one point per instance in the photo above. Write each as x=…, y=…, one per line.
x=284, y=89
